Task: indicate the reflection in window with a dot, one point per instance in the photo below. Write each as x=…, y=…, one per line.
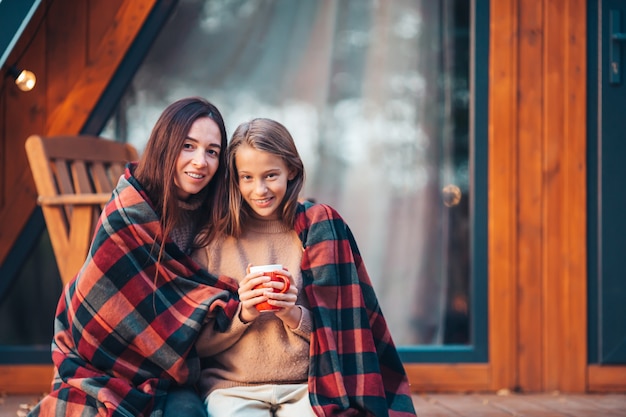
x=376, y=95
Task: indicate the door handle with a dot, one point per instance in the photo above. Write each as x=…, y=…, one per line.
x=615, y=51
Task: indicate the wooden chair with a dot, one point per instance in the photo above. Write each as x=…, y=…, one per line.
x=74, y=176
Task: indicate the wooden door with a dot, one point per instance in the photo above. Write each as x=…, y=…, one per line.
x=607, y=154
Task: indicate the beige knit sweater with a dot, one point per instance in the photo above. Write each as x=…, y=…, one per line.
x=264, y=351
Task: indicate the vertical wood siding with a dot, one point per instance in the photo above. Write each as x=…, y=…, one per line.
x=502, y=204
x=538, y=236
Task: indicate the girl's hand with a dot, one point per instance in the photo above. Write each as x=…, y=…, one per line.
x=289, y=313
x=249, y=296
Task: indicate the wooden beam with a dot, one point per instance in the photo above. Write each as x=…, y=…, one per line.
x=606, y=378
x=564, y=175
x=70, y=115
x=531, y=195
x=76, y=199
x=502, y=199
x=25, y=379
x=449, y=377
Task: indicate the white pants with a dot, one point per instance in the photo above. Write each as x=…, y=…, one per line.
x=286, y=400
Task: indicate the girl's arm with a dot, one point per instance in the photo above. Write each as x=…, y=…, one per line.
x=211, y=341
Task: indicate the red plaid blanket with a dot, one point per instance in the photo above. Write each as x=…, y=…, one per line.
x=355, y=369
x=122, y=338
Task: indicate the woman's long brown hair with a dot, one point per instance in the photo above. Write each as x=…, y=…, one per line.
x=157, y=167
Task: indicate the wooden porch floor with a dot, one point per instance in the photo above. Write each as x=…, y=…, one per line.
x=459, y=405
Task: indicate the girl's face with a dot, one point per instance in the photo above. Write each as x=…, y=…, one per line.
x=199, y=158
x=262, y=180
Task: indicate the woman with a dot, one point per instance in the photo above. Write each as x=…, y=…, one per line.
x=126, y=325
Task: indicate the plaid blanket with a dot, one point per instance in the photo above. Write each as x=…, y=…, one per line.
x=355, y=369
x=123, y=335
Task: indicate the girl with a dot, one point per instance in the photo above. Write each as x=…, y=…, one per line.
x=327, y=351
x=126, y=325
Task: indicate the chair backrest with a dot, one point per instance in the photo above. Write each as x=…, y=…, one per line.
x=74, y=176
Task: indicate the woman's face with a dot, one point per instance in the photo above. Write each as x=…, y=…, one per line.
x=262, y=179
x=199, y=157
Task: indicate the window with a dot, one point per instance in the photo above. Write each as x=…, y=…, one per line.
x=377, y=95
x=387, y=101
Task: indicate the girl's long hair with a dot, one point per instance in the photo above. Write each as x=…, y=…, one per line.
x=269, y=136
x=157, y=167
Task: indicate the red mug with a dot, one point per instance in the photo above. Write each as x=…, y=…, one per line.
x=272, y=271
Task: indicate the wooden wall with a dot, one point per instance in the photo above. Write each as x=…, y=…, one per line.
x=537, y=194
x=537, y=176
x=73, y=48
x=537, y=209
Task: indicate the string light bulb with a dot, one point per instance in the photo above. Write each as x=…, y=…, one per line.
x=25, y=80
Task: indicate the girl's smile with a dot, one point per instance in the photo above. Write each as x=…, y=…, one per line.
x=264, y=202
x=262, y=179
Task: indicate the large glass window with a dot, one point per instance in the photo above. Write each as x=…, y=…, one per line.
x=377, y=97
